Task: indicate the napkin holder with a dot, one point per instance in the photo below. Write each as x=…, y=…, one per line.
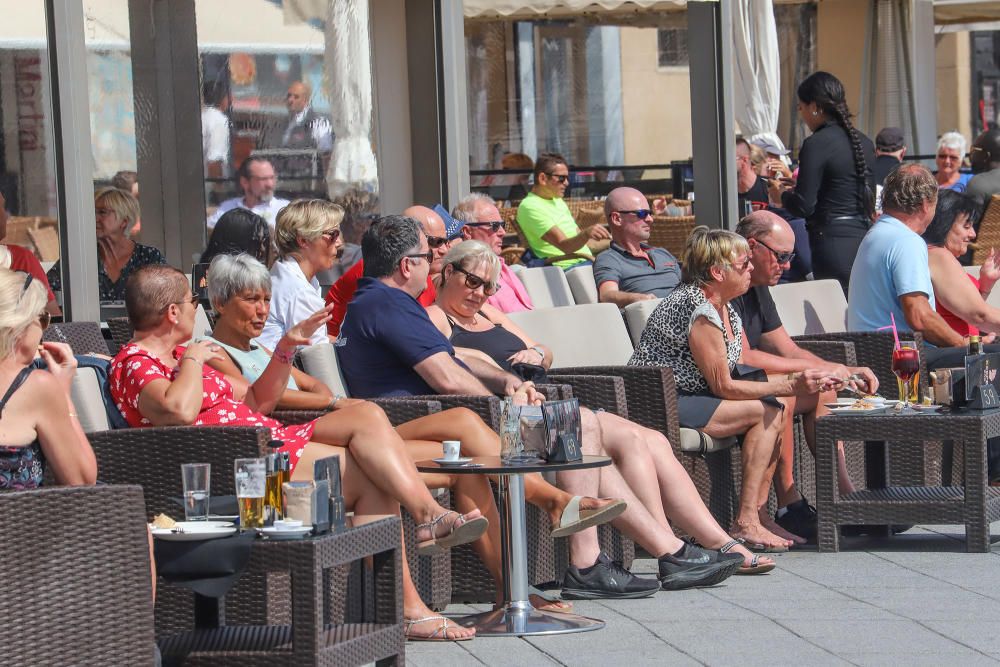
x=564, y=435
x=330, y=511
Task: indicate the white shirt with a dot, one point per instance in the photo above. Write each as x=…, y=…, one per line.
x=321, y=131
x=293, y=299
x=215, y=136
x=267, y=210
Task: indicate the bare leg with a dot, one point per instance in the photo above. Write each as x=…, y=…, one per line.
x=811, y=410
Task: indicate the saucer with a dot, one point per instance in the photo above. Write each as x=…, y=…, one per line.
x=460, y=461
x=273, y=533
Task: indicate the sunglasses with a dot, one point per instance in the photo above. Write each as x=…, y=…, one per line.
x=426, y=256
x=44, y=320
x=24, y=288
x=641, y=213
x=474, y=282
x=781, y=257
x=494, y=225
x=436, y=241
x=562, y=178
x=331, y=235
x=742, y=266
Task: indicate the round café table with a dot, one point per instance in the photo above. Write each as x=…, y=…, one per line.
x=516, y=616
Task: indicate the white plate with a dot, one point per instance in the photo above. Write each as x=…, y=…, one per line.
x=845, y=402
x=285, y=534
x=843, y=410
x=227, y=518
x=460, y=461
x=929, y=409
x=195, y=530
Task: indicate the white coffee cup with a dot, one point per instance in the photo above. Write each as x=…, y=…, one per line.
x=451, y=449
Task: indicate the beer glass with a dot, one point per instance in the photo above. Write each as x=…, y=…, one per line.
x=251, y=483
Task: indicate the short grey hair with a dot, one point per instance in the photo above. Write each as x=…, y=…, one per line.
x=229, y=275
x=468, y=254
x=465, y=209
x=954, y=140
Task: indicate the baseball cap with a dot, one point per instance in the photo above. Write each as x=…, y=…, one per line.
x=453, y=227
x=889, y=139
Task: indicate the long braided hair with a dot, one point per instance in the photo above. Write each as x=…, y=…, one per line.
x=827, y=92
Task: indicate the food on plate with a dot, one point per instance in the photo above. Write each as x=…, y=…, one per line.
x=163, y=521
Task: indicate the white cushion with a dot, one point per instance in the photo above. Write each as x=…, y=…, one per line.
x=86, y=394
x=320, y=361
x=589, y=335
x=696, y=442
x=636, y=315
x=811, y=307
x=547, y=286
x=581, y=283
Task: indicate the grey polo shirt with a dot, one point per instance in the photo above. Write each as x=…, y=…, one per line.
x=658, y=275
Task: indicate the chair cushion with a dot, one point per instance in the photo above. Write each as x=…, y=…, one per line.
x=589, y=335
x=320, y=361
x=581, y=283
x=811, y=307
x=86, y=393
x=696, y=442
x=636, y=314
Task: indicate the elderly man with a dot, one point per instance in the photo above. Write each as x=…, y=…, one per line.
x=889, y=151
x=343, y=290
x=306, y=128
x=481, y=221
x=546, y=221
x=258, y=181
x=767, y=345
x=630, y=270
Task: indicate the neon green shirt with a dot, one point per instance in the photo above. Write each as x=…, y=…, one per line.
x=537, y=215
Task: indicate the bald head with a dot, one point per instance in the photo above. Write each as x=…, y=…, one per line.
x=298, y=96
x=434, y=230
x=619, y=210
x=771, y=240
x=762, y=223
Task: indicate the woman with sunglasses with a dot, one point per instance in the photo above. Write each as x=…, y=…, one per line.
x=645, y=473
x=36, y=412
x=697, y=332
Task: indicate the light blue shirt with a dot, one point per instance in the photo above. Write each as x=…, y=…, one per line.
x=891, y=261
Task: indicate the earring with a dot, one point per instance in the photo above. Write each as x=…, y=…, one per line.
x=815, y=113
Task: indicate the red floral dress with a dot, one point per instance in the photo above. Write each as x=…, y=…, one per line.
x=133, y=368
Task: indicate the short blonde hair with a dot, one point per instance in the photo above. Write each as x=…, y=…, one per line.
x=707, y=248
x=468, y=254
x=17, y=310
x=304, y=219
x=125, y=206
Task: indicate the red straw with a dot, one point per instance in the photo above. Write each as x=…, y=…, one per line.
x=895, y=334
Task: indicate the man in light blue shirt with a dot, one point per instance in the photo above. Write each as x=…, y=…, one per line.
x=891, y=274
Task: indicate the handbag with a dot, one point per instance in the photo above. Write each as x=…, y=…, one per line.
x=550, y=432
x=530, y=373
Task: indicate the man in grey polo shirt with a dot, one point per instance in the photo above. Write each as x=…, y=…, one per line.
x=630, y=270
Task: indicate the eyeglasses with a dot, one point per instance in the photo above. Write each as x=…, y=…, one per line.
x=562, y=178
x=193, y=300
x=641, y=213
x=436, y=241
x=942, y=156
x=426, y=256
x=494, y=225
x=331, y=235
x=44, y=319
x=741, y=266
x=474, y=282
x=781, y=257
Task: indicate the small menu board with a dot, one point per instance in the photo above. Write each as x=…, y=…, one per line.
x=981, y=388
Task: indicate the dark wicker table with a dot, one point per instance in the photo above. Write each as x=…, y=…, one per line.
x=310, y=640
x=516, y=617
x=975, y=505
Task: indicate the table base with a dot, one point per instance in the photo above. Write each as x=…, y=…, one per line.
x=520, y=619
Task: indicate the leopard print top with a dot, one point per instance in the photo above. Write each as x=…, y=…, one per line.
x=664, y=341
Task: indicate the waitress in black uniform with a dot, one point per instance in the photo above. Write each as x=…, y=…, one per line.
x=835, y=190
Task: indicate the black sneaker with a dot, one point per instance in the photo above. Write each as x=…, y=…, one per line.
x=800, y=519
x=605, y=580
x=696, y=567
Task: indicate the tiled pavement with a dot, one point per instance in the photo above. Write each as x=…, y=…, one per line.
x=916, y=598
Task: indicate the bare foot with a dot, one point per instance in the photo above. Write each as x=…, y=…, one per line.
x=436, y=627
x=586, y=503
x=771, y=525
x=754, y=533
x=542, y=604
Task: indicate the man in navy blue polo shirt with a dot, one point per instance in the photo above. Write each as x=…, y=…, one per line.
x=630, y=270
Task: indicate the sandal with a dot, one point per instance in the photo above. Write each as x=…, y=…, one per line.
x=755, y=566
x=462, y=531
x=439, y=635
x=574, y=519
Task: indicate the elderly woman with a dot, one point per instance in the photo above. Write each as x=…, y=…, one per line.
x=950, y=154
x=240, y=231
x=118, y=256
x=307, y=235
x=240, y=289
x=37, y=416
x=646, y=472
x=155, y=381
x=696, y=332
x=960, y=298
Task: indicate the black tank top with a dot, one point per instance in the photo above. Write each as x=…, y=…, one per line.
x=497, y=342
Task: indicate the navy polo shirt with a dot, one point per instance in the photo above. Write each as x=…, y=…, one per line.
x=384, y=335
x=658, y=275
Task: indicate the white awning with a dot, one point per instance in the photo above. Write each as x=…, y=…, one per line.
x=966, y=12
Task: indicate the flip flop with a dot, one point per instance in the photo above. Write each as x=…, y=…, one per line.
x=462, y=532
x=574, y=519
x=439, y=635
x=755, y=566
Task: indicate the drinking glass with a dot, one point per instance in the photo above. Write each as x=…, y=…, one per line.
x=196, y=479
x=906, y=367
x=251, y=483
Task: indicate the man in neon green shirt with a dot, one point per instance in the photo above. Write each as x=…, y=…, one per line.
x=546, y=221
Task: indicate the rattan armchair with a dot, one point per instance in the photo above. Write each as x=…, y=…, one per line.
x=83, y=337
x=79, y=587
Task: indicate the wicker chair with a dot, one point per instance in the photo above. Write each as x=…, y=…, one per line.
x=81, y=594
x=83, y=337
x=121, y=331
x=988, y=234
x=671, y=232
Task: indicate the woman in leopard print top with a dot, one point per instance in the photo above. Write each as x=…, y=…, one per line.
x=697, y=333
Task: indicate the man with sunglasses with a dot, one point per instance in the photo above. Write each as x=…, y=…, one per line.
x=342, y=291
x=768, y=346
x=546, y=221
x=630, y=270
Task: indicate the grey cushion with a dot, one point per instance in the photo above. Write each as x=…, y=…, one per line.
x=811, y=307
x=547, y=286
x=581, y=283
x=636, y=314
x=696, y=442
x=320, y=361
x=590, y=335
x=86, y=394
